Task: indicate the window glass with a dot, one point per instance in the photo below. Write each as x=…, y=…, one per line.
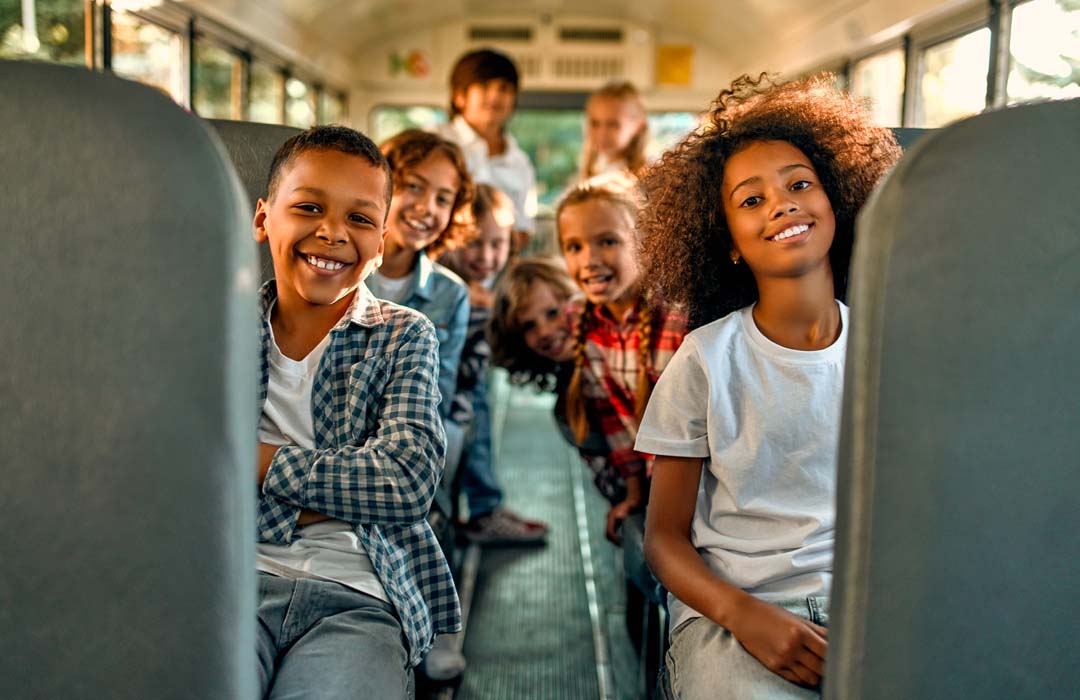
x=880, y=80
x=266, y=93
x=53, y=31
x=389, y=120
x=216, y=92
x=299, y=103
x=148, y=53
x=331, y=107
x=666, y=129
x=953, y=83
x=1044, y=48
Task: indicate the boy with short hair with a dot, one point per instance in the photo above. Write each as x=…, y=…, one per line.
x=352, y=583
x=483, y=94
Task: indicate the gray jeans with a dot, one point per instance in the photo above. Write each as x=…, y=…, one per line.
x=320, y=639
x=706, y=661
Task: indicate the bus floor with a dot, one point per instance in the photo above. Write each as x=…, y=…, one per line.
x=545, y=622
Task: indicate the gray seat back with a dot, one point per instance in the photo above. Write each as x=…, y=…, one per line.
x=252, y=146
x=126, y=396
x=958, y=548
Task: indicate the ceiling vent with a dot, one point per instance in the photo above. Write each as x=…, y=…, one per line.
x=592, y=35
x=588, y=67
x=506, y=33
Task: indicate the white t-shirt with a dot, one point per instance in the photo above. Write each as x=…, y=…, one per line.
x=394, y=289
x=329, y=549
x=766, y=420
x=511, y=171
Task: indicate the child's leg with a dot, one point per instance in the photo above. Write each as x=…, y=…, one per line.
x=705, y=661
x=335, y=643
x=477, y=479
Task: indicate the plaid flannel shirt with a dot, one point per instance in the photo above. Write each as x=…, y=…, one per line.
x=378, y=457
x=611, y=349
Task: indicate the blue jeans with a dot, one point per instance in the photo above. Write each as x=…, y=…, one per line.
x=320, y=639
x=705, y=661
x=477, y=479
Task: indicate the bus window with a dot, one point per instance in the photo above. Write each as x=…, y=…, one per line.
x=953, y=80
x=880, y=79
x=1045, y=37
x=53, y=31
x=387, y=120
x=148, y=53
x=216, y=92
x=266, y=94
x=299, y=103
x=666, y=129
x=332, y=108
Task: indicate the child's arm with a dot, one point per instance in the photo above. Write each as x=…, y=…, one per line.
x=387, y=477
x=788, y=645
x=450, y=351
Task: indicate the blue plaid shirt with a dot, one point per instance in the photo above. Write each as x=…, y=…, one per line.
x=378, y=457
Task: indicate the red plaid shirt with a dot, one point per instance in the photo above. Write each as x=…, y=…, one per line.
x=611, y=349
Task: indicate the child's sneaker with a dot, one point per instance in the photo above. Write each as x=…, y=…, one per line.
x=503, y=526
x=444, y=662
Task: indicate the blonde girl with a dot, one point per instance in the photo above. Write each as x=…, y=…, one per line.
x=616, y=132
x=623, y=340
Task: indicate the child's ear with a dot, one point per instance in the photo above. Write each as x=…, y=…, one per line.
x=459, y=100
x=259, y=224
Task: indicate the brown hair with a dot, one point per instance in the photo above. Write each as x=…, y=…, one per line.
x=634, y=153
x=576, y=415
x=410, y=148
x=686, y=244
x=480, y=66
x=504, y=334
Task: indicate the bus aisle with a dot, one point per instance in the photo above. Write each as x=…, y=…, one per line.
x=547, y=622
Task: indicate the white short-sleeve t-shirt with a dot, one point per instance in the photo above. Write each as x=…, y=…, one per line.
x=766, y=420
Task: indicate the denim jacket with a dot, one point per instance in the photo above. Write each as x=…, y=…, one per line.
x=440, y=295
x=378, y=457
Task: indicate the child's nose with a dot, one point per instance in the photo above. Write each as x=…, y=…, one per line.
x=785, y=207
x=331, y=234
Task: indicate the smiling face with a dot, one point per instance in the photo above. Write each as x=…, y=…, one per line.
x=597, y=241
x=546, y=323
x=486, y=254
x=779, y=215
x=423, y=203
x=488, y=104
x=611, y=123
x=324, y=224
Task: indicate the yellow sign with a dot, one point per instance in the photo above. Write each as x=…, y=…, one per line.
x=674, y=64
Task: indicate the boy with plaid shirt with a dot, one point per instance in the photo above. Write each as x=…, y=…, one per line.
x=352, y=583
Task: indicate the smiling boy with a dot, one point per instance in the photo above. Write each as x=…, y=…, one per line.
x=352, y=583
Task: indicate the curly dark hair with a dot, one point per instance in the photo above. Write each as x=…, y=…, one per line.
x=685, y=242
x=411, y=147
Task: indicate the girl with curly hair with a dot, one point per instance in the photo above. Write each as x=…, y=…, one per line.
x=749, y=224
x=432, y=187
x=624, y=339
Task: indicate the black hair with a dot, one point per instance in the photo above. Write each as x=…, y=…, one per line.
x=328, y=138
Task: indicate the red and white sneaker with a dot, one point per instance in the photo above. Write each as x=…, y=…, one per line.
x=503, y=526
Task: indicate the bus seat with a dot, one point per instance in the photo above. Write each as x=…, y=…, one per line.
x=957, y=555
x=126, y=396
x=907, y=136
x=251, y=147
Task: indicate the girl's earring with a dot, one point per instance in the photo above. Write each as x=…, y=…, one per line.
x=735, y=258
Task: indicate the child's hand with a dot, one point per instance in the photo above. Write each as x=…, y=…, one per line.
x=263, y=457
x=788, y=645
x=619, y=511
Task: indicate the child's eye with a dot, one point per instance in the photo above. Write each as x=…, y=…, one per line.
x=611, y=241
x=359, y=219
x=751, y=202
x=445, y=201
x=552, y=313
x=309, y=208
x=413, y=186
x=572, y=247
x=527, y=326
x=800, y=185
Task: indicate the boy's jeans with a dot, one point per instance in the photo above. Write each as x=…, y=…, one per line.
x=477, y=479
x=320, y=639
x=706, y=661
